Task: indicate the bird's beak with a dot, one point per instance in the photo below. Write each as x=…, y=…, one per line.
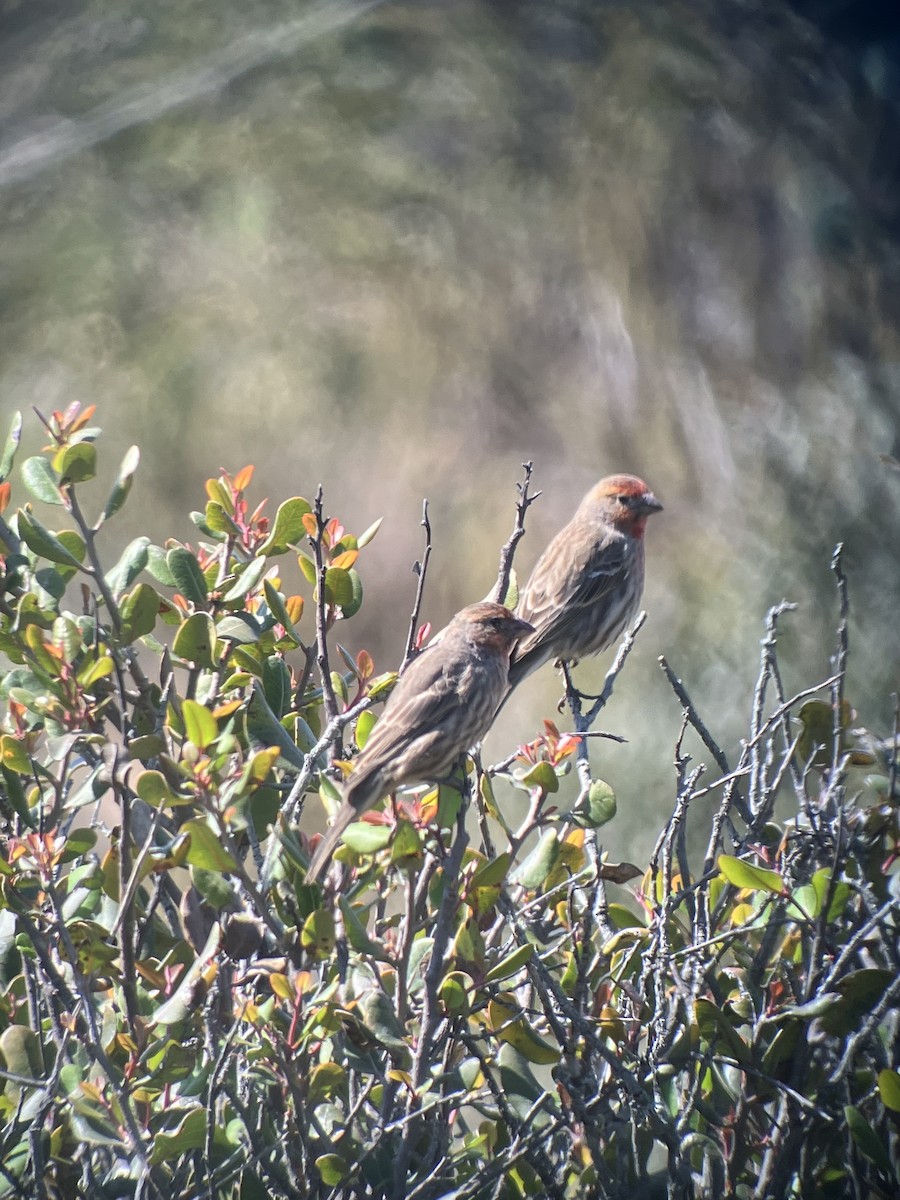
x=649, y=504
x=523, y=627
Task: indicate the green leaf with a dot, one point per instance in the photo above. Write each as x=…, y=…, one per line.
x=206, y=849
x=42, y=542
x=190, y=1134
x=338, y=586
x=76, y=463
x=189, y=579
x=15, y=793
x=215, y=889
x=264, y=730
x=867, y=1140
x=356, y=932
x=364, y=838
x=821, y=882
x=365, y=723
x=247, y=581
x=332, y=1168
x=715, y=1026
x=276, y=683
x=96, y=669
x=21, y=1051
x=218, y=520
x=153, y=789
x=540, y=862
x=889, y=1089
x=199, y=724
x=597, y=808
x=493, y=872
x=542, y=776
x=455, y=993
x=66, y=637
x=122, y=486
x=325, y=1080
x=318, y=934
x=195, y=640
x=860, y=992
x=365, y=538
x=278, y=609
x=308, y=567
x=511, y=965
x=139, y=611
x=158, y=567
x=131, y=563
x=78, y=843
x=50, y=586
x=746, y=875
x=288, y=527
x=354, y=604
x=378, y=1015
x=407, y=843
x=12, y=445
x=520, y=1086
x=40, y=479
x=511, y=599
x=239, y=627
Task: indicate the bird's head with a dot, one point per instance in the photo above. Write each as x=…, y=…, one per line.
x=492, y=623
x=623, y=500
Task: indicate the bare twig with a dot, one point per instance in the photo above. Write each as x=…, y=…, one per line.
x=323, y=619
x=507, y=554
x=705, y=736
x=840, y=657
x=420, y=569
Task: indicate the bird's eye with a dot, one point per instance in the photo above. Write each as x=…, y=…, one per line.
x=626, y=500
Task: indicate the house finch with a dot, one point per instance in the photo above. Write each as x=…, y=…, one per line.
x=442, y=704
x=587, y=584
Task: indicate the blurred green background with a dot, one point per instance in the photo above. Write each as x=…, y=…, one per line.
x=400, y=248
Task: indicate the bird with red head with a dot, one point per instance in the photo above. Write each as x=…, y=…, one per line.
x=587, y=585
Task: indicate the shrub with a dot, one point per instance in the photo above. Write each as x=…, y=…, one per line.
x=499, y=1013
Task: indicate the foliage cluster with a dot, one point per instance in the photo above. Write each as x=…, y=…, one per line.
x=499, y=1013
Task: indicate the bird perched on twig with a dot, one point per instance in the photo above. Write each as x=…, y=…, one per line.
x=442, y=704
x=587, y=584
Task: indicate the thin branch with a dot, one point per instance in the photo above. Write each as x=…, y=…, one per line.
x=507, y=554
x=584, y=720
x=322, y=616
x=420, y=569
x=840, y=657
x=705, y=736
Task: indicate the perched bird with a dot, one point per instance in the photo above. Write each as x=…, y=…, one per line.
x=587, y=584
x=442, y=704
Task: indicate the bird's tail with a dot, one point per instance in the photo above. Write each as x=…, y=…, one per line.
x=360, y=794
x=330, y=841
x=521, y=668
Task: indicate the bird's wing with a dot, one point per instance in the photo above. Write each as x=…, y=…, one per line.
x=574, y=573
x=411, y=729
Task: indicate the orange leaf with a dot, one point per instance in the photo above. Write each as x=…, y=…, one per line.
x=294, y=606
x=242, y=479
x=309, y=524
x=5, y=490
x=365, y=665
x=345, y=560
x=80, y=422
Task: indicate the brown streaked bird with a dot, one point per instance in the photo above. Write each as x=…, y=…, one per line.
x=442, y=704
x=587, y=584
